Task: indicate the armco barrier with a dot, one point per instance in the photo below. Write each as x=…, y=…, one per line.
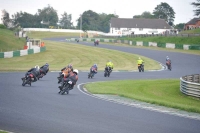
x=190, y=85
x=11, y=54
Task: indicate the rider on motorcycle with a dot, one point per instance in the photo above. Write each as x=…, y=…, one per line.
x=64, y=72
x=35, y=71
x=94, y=67
x=44, y=69
x=168, y=61
x=73, y=76
x=139, y=62
x=110, y=65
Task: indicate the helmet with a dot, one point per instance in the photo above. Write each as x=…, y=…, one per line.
x=47, y=64
x=139, y=58
x=37, y=67
x=69, y=66
x=75, y=71
x=167, y=57
x=95, y=65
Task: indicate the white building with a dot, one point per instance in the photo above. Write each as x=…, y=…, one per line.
x=127, y=26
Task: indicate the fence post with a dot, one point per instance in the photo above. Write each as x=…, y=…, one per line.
x=193, y=78
x=188, y=78
x=199, y=78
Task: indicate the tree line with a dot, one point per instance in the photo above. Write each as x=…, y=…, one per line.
x=89, y=20
x=48, y=18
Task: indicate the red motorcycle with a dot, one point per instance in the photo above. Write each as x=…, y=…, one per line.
x=28, y=79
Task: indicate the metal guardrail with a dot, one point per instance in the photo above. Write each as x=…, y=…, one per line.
x=190, y=85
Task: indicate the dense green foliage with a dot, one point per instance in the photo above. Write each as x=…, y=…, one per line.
x=92, y=21
x=2, y=26
x=161, y=11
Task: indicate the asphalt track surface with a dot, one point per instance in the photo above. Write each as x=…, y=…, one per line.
x=40, y=109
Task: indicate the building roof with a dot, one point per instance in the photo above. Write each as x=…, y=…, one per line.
x=193, y=21
x=139, y=23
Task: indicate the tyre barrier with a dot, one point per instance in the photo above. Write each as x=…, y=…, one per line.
x=11, y=54
x=190, y=85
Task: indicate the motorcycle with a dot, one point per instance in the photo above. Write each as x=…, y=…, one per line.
x=62, y=74
x=28, y=79
x=77, y=40
x=91, y=74
x=141, y=67
x=41, y=74
x=107, y=71
x=169, y=66
x=68, y=85
x=96, y=43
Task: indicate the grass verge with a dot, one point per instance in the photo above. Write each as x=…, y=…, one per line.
x=59, y=54
x=166, y=93
x=8, y=41
x=45, y=34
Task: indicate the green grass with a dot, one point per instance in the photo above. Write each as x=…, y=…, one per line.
x=59, y=54
x=161, y=92
x=45, y=34
x=162, y=39
x=3, y=131
x=8, y=41
x=194, y=31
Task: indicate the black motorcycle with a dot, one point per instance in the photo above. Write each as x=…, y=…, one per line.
x=41, y=75
x=107, y=71
x=91, y=74
x=68, y=85
x=141, y=67
x=96, y=43
x=28, y=79
x=169, y=65
x=61, y=75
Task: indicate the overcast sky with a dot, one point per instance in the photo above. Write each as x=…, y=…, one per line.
x=122, y=8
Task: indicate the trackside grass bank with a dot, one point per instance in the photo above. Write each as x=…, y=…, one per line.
x=161, y=92
x=165, y=39
x=8, y=41
x=59, y=54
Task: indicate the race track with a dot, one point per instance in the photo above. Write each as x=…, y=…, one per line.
x=40, y=109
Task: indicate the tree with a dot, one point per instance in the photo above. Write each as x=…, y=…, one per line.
x=48, y=16
x=105, y=21
x=180, y=26
x=65, y=21
x=6, y=19
x=24, y=20
x=145, y=14
x=165, y=11
x=197, y=5
x=89, y=20
x=94, y=21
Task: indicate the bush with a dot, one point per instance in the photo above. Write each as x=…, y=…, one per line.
x=2, y=26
